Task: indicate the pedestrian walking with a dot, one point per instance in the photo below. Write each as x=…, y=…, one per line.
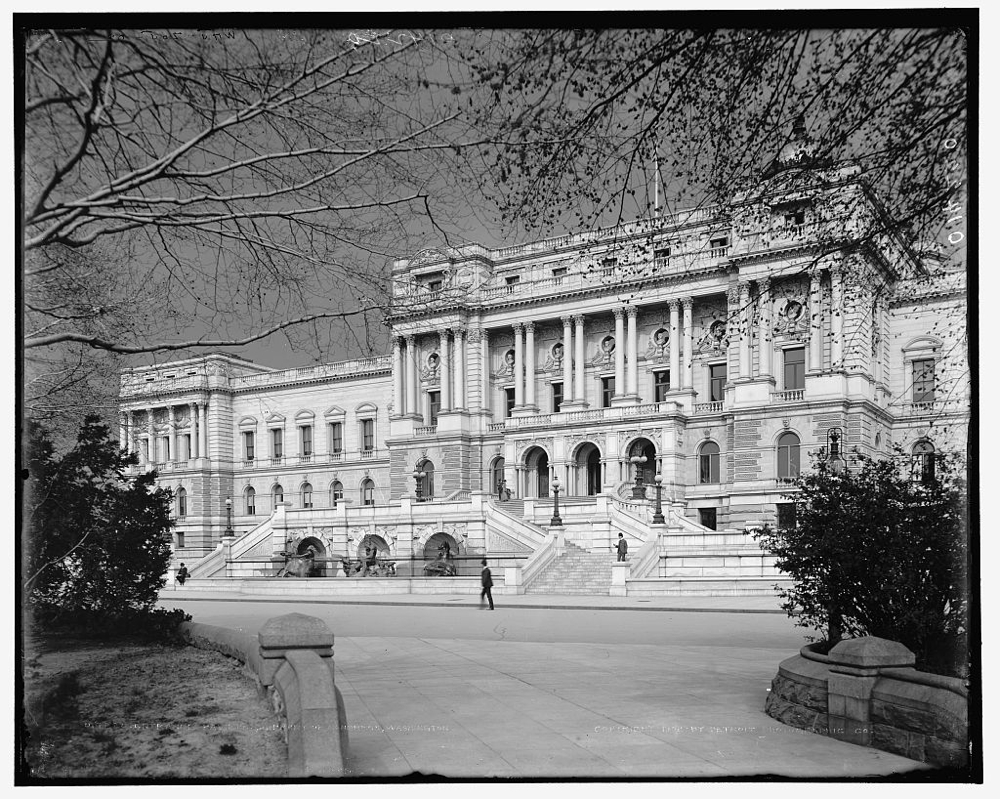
x=487, y=585
x=622, y=547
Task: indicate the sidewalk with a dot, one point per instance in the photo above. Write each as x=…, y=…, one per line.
x=675, y=604
x=488, y=700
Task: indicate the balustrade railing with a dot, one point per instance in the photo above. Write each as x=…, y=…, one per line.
x=708, y=407
x=793, y=395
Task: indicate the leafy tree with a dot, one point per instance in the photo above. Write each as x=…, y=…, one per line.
x=879, y=550
x=97, y=542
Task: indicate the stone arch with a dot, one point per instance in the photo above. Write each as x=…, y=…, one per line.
x=369, y=540
x=426, y=483
x=319, y=567
x=642, y=447
x=497, y=474
x=537, y=469
x=585, y=461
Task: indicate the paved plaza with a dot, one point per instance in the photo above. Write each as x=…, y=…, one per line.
x=561, y=687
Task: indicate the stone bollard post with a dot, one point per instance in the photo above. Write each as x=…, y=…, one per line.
x=854, y=669
x=296, y=664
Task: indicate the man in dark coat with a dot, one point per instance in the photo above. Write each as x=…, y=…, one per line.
x=622, y=547
x=487, y=585
x=182, y=574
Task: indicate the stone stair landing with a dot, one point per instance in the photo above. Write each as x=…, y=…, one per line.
x=576, y=571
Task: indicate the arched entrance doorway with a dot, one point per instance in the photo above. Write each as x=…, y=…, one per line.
x=319, y=554
x=643, y=448
x=497, y=476
x=536, y=478
x=588, y=470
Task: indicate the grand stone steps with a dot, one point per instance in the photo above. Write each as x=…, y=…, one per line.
x=576, y=571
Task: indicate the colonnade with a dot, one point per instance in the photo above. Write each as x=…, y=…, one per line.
x=130, y=434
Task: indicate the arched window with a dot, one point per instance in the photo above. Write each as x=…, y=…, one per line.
x=788, y=456
x=307, y=495
x=277, y=495
x=708, y=463
x=922, y=463
x=426, y=483
x=182, y=502
x=251, y=498
x=336, y=492
x=367, y=492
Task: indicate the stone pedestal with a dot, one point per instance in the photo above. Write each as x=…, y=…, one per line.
x=619, y=571
x=854, y=670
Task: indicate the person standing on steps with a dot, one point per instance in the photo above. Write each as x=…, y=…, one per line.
x=622, y=547
x=487, y=585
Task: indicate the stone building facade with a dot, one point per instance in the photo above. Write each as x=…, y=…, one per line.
x=716, y=349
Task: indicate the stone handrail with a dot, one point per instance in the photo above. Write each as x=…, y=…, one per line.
x=210, y=564
x=521, y=531
x=539, y=559
x=292, y=657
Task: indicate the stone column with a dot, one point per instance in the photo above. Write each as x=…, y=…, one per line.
x=836, y=317
x=744, y=321
x=484, y=349
x=529, y=365
x=688, y=366
x=579, y=390
x=444, y=365
x=203, y=430
x=151, y=435
x=171, y=423
x=567, y=358
x=123, y=431
x=764, y=327
x=675, y=345
x=397, y=377
x=815, y=323
x=195, y=428
x=459, y=349
x=518, y=364
x=619, y=351
x=410, y=386
x=633, y=351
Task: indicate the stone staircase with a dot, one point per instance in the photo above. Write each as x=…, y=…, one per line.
x=576, y=571
x=515, y=507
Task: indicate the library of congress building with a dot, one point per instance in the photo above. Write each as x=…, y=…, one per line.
x=663, y=382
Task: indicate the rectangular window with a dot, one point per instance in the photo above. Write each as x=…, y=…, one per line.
x=368, y=435
x=187, y=446
x=661, y=254
x=512, y=280
x=248, y=445
x=795, y=369
x=434, y=398
x=607, y=391
x=434, y=285
x=718, y=242
x=717, y=382
x=336, y=437
x=180, y=540
x=557, y=397
x=661, y=385
x=509, y=394
x=796, y=217
x=708, y=465
x=786, y=515
x=707, y=518
x=276, y=443
x=559, y=272
x=923, y=380
x=165, y=449
x=306, y=440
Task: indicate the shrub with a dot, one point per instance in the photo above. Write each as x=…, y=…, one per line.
x=874, y=552
x=97, y=541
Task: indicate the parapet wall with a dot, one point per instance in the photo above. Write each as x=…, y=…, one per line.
x=866, y=692
x=292, y=657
